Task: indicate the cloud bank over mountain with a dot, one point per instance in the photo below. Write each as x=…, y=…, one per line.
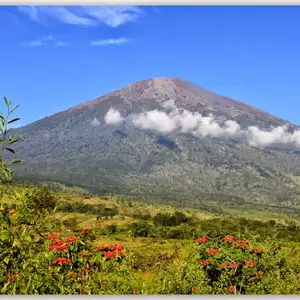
x=174, y=119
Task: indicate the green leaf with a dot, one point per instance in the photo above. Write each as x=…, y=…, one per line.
x=13, y=140
x=6, y=102
x=4, y=289
x=10, y=150
x=14, y=108
x=13, y=120
x=15, y=161
x=5, y=236
x=28, y=285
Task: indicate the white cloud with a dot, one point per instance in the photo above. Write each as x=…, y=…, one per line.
x=31, y=12
x=107, y=42
x=155, y=120
x=113, y=117
x=184, y=121
x=112, y=16
x=46, y=40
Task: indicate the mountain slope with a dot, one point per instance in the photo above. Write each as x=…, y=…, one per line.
x=77, y=146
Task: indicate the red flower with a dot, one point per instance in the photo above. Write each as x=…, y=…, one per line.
x=257, y=250
x=205, y=262
x=72, y=275
x=10, y=277
x=241, y=244
x=57, y=242
x=62, y=247
x=53, y=236
x=61, y=261
x=72, y=239
x=233, y=265
x=229, y=239
x=232, y=289
x=202, y=239
x=212, y=251
x=109, y=255
x=86, y=230
x=224, y=265
x=250, y=264
x=13, y=276
x=258, y=275
x=109, y=248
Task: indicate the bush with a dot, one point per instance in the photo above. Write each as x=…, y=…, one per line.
x=166, y=219
x=40, y=199
x=140, y=229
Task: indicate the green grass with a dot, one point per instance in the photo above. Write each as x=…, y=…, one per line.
x=161, y=259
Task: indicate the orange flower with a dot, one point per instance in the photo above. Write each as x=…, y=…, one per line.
x=61, y=261
x=250, y=264
x=241, y=244
x=276, y=245
x=229, y=239
x=258, y=275
x=205, y=262
x=257, y=250
x=232, y=289
x=212, y=251
x=72, y=275
x=202, y=239
x=194, y=290
x=224, y=265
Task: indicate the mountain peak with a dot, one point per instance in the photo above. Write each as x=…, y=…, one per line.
x=152, y=88
x=155, y=91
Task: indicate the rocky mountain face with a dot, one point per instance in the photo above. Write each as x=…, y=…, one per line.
x=165, y=139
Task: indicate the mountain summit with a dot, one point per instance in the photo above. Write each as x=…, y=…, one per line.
x=166, y=139
x=188, y=95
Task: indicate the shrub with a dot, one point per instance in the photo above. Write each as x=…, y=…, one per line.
x=166, y=219
x=140, y=229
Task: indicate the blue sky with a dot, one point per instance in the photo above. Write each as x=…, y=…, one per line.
x=53, y=58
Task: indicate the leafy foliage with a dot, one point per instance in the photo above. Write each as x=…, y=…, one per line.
x=39, y=255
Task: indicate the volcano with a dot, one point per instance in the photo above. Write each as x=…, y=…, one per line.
x=132, y=156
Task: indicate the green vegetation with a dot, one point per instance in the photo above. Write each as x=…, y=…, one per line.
x=68, y=242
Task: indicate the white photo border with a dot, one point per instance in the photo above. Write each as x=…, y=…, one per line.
x=155, y=2
x=152, y=3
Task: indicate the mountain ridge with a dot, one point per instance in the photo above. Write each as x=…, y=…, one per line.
x=77, y=146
